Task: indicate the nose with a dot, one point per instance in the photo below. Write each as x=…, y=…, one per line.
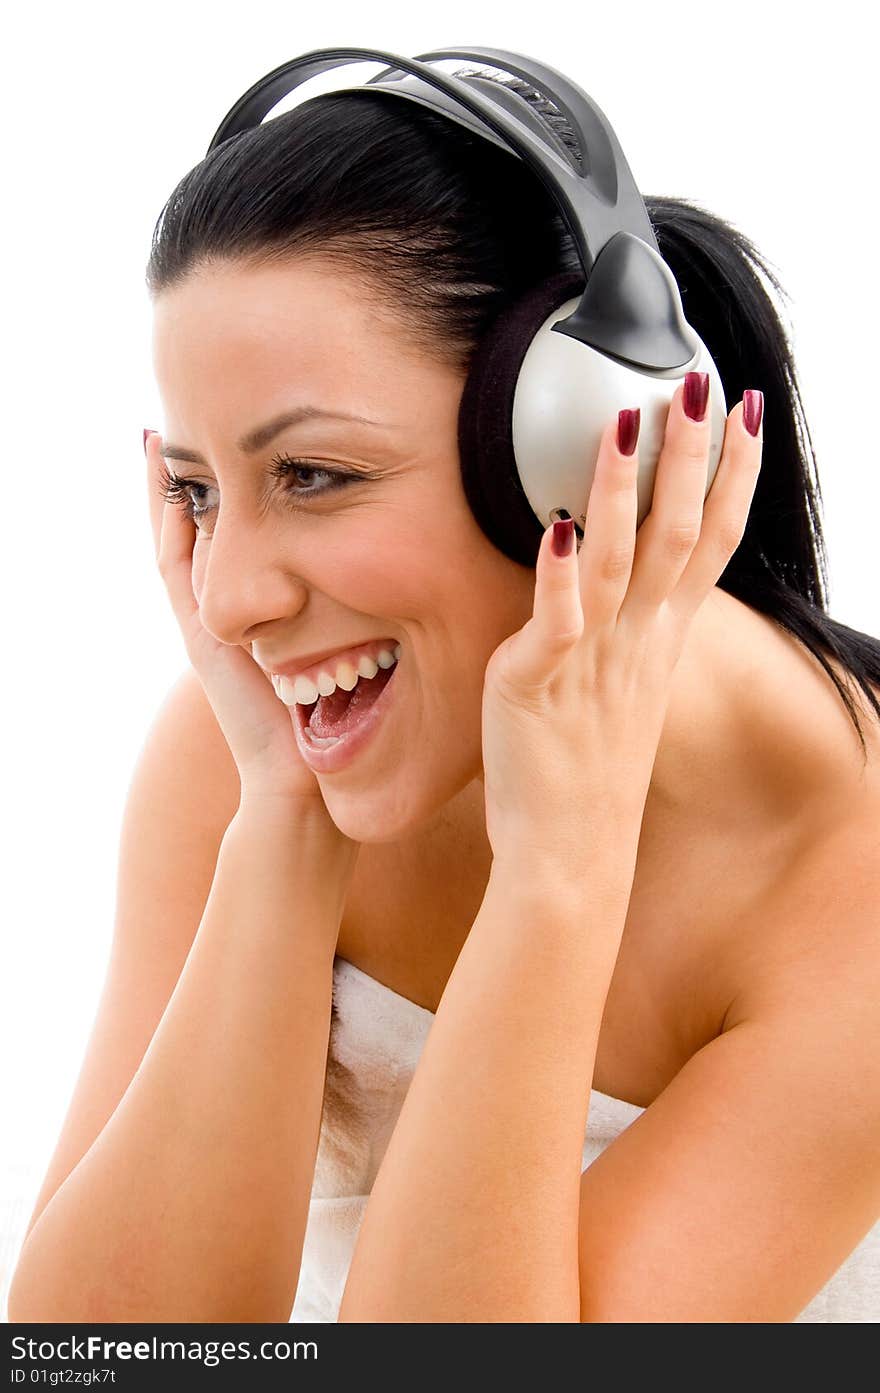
x=243, y=580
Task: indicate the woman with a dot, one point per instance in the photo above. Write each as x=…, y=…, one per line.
x=618, y=811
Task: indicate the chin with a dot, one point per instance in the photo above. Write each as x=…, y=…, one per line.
x=395, y=808
x=372, y=817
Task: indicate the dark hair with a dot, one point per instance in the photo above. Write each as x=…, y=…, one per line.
x=447, y=230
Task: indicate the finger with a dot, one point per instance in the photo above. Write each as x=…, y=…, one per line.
x=175, y=539
x=152, y=448
x=606, y=553
x=671, y=530
x=558, y=612
x=530, y=657
x=725, y=511
x=175, y=566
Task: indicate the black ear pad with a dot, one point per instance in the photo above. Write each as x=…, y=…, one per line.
x=485, y=420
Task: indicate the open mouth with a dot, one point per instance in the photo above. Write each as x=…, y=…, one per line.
x=330, y=717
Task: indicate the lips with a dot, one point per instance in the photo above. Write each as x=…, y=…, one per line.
x=333, y=757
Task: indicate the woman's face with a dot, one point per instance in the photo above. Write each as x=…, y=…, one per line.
x=285, y=569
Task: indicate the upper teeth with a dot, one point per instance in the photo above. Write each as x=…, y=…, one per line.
x=301, y=691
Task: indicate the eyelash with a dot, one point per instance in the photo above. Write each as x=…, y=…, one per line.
x=176, y=490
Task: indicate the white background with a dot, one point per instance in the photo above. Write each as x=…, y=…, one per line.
x=765, y=114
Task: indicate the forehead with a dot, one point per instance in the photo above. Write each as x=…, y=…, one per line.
x=298, y=306
x=253, y=335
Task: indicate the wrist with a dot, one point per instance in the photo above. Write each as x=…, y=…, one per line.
x=296, y=836
x=598, y=865
x=286, y=812
x=571, y=913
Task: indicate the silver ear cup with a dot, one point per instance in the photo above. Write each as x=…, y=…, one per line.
x=566, y=394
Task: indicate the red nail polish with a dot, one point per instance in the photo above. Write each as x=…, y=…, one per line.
x=696, y=394
x=563, y=537
x=753, y=410
x=628, y=423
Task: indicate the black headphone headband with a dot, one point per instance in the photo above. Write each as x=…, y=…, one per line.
x=631, y=307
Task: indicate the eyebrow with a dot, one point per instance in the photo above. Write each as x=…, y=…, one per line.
x=260, y=437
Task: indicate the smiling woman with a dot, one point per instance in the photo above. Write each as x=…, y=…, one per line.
x=555, y=999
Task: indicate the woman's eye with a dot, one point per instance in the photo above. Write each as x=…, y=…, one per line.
x=186, y=493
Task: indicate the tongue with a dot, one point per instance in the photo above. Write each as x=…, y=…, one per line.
x=342, y=711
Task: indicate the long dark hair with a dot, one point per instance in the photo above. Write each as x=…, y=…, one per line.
x=448, y=229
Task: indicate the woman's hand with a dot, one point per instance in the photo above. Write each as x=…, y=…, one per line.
x=256, y=723
x=574, y=702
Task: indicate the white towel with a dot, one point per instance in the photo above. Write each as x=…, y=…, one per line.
x=376, y=1039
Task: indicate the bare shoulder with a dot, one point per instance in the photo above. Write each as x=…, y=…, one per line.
x=817, y=929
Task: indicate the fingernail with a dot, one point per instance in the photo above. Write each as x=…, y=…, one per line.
x=628, y=423
x=148, y=431
x=563, y=536
x=696, y=394
x=753, y=410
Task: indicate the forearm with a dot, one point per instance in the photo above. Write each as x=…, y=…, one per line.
x=474, y=1212
x=192, y=1203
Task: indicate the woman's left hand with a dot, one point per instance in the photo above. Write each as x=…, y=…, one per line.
x=574, y=702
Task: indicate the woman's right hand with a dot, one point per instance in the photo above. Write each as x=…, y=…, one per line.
x=255, y=722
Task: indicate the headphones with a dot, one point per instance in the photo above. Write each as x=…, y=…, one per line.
x=557, y=365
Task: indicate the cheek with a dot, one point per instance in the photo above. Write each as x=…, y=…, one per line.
x=396, y=573
x=388, y=575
